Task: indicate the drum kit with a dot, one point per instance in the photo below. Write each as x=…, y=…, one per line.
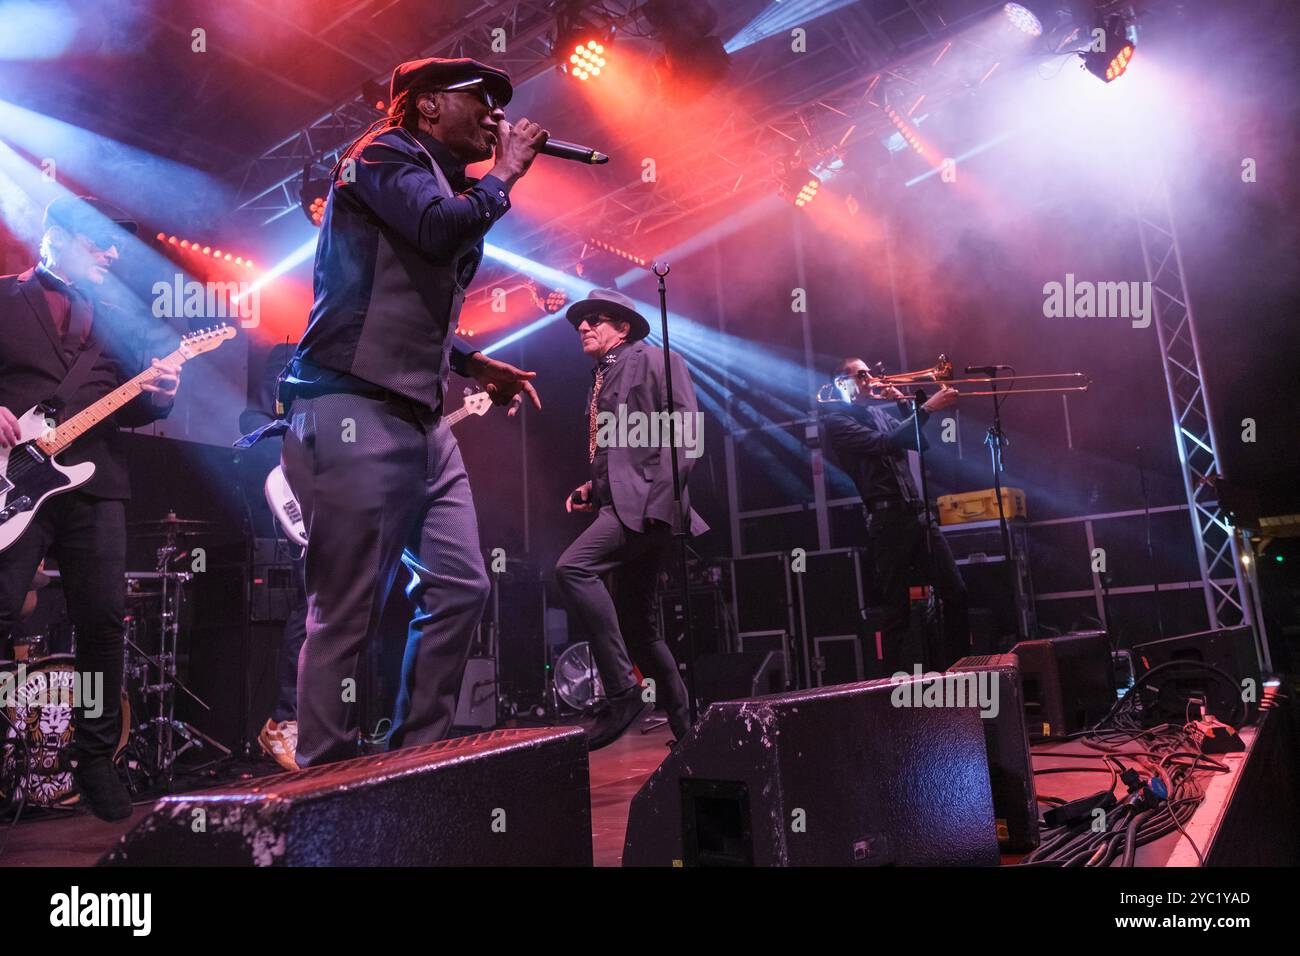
x=38, y=688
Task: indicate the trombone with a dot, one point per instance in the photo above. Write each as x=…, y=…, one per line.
x=878, y=382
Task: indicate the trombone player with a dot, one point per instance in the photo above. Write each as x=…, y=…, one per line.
x=871, y=444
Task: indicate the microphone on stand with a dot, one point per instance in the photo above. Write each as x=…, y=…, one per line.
x=986, y=369
x=573, y=151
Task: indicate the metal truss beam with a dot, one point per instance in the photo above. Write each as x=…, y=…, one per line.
x=1223, y=556
x=818, y=112
x=269, y=189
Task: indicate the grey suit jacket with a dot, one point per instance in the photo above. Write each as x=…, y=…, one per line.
x=641, y=475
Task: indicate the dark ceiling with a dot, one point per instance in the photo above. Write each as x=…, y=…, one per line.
x=131, y=73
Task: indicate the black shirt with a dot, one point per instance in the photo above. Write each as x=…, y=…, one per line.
x=871, y=444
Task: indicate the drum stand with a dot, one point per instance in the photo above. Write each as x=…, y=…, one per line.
x=159, y=732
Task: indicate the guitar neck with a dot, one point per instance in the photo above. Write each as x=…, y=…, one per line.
x=76, y=426
x=453, y=417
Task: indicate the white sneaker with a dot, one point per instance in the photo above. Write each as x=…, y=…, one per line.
x=280, y=741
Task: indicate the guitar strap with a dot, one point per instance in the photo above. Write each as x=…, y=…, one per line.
x=86, y=360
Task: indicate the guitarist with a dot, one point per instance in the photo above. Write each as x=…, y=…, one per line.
x=58, y=339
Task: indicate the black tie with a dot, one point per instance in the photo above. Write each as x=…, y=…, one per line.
x=79, y=318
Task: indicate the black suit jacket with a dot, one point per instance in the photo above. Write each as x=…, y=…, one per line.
x=641, y=477
x=32, y=366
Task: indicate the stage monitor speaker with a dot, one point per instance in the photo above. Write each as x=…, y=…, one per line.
x=839, y=776
x=1231, y=650
x=505, y=798
x=740, y=675
x=1068, y=683
x=1011, y=772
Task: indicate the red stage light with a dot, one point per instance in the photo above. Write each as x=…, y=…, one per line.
x=1120, y=63
x=586, y=60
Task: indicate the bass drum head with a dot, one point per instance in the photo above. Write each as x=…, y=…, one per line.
x=37, y=700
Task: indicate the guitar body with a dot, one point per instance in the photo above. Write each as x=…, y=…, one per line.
x=28, y=477
x=284, y=504
x=285, y=507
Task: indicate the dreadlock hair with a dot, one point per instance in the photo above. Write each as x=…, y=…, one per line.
x=403, y=113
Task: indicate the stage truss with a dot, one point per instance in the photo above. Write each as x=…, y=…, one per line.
x=1223, y=553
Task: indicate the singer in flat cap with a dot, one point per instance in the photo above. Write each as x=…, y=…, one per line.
x=367, y=454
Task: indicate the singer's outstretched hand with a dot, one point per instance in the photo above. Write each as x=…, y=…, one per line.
x=505, y=383
x=517, y=147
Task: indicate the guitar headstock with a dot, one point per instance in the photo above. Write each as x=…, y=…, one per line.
x=205, y=340
x=478, y=403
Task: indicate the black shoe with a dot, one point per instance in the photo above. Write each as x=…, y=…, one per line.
x=101, y=788
x=620, y=712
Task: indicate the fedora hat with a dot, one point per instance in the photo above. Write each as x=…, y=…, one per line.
x=613, y=304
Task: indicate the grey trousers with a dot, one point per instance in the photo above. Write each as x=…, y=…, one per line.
x=372, y=480
x=622, y=619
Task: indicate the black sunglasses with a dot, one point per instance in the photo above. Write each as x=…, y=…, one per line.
x=479, y=89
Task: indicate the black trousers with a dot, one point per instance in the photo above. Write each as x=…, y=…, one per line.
x=87, y=537
x=295, y=633
x=374, y=478
x=898, y=555
x=622, y=618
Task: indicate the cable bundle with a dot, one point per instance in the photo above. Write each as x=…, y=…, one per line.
x=1163, y=782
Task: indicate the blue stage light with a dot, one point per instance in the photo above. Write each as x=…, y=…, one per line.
x=781, y=17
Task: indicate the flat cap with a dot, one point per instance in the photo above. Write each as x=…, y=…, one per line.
x=439, y=72
x=88, y=216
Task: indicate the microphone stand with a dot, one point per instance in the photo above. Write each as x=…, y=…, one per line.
x=995, y=439
x=682, y=532
x=918, y=399
x=1151, y=557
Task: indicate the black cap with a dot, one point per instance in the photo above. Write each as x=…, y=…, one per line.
x=613, y=304
x=87, y=215
x=437, y=72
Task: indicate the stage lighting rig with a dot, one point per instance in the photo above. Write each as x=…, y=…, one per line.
x=193, y=247
x=1023, y=19
x=581, y=46
x=694, y=59
x=312, y=196
x=553, y=301
x=1110, y=47
x=796, y=181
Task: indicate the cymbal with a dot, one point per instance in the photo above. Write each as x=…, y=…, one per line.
x=171, y=524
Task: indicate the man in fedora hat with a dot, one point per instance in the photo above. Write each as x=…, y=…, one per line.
x=366, y=452
x=631, y=494
x=63, y=345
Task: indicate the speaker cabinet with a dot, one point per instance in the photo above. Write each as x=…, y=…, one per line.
x=1011, y=772
x=505, y=798
x=1230, y=650
x=1068, y=683
x=834, y=777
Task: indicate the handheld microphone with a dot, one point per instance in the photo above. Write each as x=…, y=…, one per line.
x=579, y=154
x=986, y=369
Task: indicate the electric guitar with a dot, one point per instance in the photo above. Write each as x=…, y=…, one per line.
x=29, y=475
x=284, y=505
